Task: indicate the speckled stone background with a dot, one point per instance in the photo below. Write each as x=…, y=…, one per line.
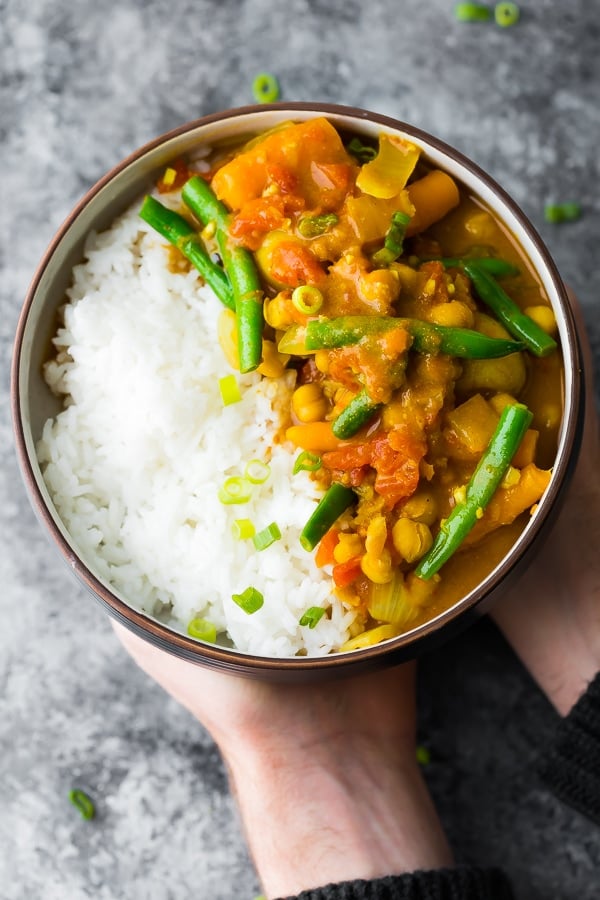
x=81, y=85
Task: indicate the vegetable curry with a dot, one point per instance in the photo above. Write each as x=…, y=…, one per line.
x=428, y=378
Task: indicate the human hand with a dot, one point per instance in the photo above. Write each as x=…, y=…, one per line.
x=552, y=616
x=325, y=774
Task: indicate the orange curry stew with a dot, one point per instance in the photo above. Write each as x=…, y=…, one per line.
x=340, y=229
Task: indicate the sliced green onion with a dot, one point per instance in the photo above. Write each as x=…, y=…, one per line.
x=312, y=615
x=562, y=212
x=394, y=239
x=307, y=299
x=84, y=804
x=423, y=755
x=235, y=490
x=202, y=630
x=361, y=152
x=506, y=14
x=472, y=12
x=230, y=390
x=307, y=462
x=257, y=471
x=265, y=88
x=249, y=600
x=266, y=537
x=243, y=529
x=313, y=226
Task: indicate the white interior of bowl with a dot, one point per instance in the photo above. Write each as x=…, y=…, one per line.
x=112, y=196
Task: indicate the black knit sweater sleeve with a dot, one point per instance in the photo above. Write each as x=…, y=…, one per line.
x=570, y=766
x=461, y=883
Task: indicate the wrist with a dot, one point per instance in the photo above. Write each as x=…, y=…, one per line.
x=334, y=812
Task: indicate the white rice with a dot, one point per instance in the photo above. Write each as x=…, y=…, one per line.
x=135, y=460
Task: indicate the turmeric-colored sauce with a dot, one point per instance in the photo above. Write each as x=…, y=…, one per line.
x=379, y=238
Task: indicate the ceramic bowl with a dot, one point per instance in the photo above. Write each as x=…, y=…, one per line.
x=33, y=403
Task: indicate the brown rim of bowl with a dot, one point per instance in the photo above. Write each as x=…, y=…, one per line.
x=396, y=648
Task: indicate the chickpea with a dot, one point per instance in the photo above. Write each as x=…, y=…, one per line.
x=411, y=539
x=278, y=311
x=542, y=316
x=348, y=547
x=308, y=403
x=421, y=507
x=376, y=536
x=380, y=288
x=453, y=314
x=378, y=569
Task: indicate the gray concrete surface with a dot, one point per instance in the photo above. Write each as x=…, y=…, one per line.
x=83, y=83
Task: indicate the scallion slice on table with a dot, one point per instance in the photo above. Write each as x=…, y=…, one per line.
x=266, y=537
x=562, y=212
x=83, y=802
x=312, y=616
x=472, y=12
x=249, y=600
x=487, y=477
x=230, y=390
x=506, y=14
x=265, y=88
x=202, y=630
x=423, y=755
x=235, y=490
x=332, y=504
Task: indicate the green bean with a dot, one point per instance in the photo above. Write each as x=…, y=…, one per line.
x=358, y=412
x=240, y=267
x=484, y=481
x=499, y=268
x=512, y=317
x=328, y=334
x=331, y=505
x=182, y=235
